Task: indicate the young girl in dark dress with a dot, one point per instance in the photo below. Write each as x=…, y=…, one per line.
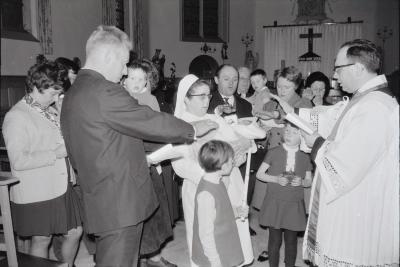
x=287, y=170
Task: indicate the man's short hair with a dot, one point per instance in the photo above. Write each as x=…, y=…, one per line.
x=258, y=72
x=364, y=52
x=217, y=72
x=243, y=68
x=107, y=36
x=214, y=154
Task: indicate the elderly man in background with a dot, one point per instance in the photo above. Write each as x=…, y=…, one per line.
x=244, y=83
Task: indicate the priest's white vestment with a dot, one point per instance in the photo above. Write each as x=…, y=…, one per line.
x=358, y=169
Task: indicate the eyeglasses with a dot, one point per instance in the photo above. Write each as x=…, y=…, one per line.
x=335, y=68
x=203, y=96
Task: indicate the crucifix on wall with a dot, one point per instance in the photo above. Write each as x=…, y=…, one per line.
x=310, y=55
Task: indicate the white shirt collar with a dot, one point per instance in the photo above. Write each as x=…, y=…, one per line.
x=230, y=98
x=377, y=80
x=263, y=89
x=291, y=149
x=291, y=157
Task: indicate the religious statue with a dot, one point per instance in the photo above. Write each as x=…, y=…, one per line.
x=250, y=60
x=159, y=62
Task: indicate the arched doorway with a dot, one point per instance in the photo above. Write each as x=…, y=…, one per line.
x=204, y=67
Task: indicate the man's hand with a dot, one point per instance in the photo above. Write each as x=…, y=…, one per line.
x=150, y=162
x=267, y=115
x=224, y=109
x=285, y=105
x=204, y=126
x=309, y=138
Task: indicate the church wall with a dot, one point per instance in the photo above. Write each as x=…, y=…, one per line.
x=163, y=32
x=17, y=56
x=72, y=23
x=374, y=13
x=74, y=20
x=388, y=15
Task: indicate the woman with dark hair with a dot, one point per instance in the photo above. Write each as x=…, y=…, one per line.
x=43, y=203
x=317, y=87
x=72, y=66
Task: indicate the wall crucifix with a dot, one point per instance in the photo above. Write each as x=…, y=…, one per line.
x=310, y=55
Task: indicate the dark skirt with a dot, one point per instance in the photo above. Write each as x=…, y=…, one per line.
x=44, y=218
x=171, y=189
x=157, y=228
x=280, y=211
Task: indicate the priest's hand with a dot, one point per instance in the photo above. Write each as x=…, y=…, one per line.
x=204, y=126
x=285, y=105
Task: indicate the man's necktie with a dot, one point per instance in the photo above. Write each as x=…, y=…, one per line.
x=226, y=100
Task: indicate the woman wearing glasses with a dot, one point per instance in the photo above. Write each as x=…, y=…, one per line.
x=192, y=101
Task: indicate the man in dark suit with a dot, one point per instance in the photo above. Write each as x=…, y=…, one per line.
x=104, y=129
x=226, y=78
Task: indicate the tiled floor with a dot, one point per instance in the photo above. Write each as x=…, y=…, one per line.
x=176, y=251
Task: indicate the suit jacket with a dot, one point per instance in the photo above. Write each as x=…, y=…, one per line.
x=104, y=128
x=31, y=140
x=243, y=107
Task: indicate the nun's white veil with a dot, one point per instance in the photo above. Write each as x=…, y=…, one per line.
x=183, y=88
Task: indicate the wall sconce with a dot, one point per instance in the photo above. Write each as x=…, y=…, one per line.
x=207, y=49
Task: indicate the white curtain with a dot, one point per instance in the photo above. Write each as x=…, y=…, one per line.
x=284, y=43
